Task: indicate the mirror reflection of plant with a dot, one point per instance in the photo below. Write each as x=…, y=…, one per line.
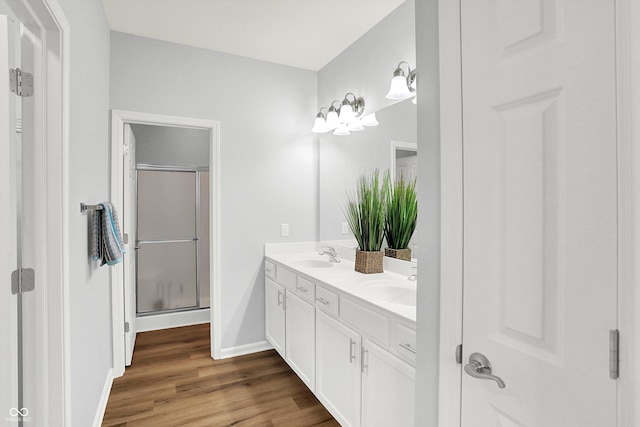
x=401, y=213
x=365, y=211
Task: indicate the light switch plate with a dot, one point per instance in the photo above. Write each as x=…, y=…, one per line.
x=345, y=228
x=284, y=230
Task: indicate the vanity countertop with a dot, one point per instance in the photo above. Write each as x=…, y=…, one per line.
x=391, y=291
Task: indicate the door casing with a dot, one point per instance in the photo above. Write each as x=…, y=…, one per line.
x=628, y=99
x=118, y=120
x=46, y=20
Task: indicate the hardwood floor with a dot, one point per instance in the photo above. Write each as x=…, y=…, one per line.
x=173, y=381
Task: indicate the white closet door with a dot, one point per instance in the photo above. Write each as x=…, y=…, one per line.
x=129, y=227
x=539, y=211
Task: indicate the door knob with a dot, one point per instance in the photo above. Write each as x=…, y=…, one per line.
x=479, y=367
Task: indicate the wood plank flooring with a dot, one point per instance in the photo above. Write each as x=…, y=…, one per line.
x=173, y=381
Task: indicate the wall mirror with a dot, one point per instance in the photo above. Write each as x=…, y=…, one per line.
x=343, y=158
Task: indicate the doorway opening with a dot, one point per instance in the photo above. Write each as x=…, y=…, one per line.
x=160, y=183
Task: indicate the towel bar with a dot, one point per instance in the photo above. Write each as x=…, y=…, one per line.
x=84, y=208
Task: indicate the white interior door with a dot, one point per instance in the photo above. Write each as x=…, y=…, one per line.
x=129, y=223
x=8, y=243
x=539, y=211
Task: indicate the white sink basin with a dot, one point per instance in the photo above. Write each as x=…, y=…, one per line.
x=313, y=263
x=393, y=292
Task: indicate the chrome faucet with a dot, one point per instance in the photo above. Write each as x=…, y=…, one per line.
x=328, y=250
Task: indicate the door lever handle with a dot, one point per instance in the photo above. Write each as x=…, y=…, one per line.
x=479, y=367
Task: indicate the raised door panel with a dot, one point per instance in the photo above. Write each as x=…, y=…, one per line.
x=300, y=339
x=388, y=389
x=275, y=315
x=338, y=377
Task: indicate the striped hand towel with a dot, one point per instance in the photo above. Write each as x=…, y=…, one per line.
x=106, y=238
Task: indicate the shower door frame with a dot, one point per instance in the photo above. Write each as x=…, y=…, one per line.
x=119, y=118
x=169, y=168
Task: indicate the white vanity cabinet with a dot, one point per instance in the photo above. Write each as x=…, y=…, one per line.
x=387, y=388
x=338, y=371
x=357, y=357
x=290, y=320
x=275, y=315
x=300, y=343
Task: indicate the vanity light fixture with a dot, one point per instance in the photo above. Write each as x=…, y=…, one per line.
x=369, y=120
x=320, y=125
x=355, y=125
x=344, y=117
x=342, y=130
x=402, y=85
x=350, y=109
x=332, y=116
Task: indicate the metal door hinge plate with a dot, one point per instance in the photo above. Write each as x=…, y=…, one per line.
x=614, y=354
x=126, y=327
x=21, y=83
x=23, y=280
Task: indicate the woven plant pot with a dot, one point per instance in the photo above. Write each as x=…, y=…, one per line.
x=403, y=254
x=369, y=262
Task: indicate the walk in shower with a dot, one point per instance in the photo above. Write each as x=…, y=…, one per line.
x=173, y=239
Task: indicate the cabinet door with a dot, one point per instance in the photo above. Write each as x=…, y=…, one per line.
x=388, y=396
x=338, y=376
x=300, y=342
x=275, y=315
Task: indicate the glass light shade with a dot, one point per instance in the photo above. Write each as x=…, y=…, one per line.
x=369, y=120
x=319, y=126
x=355, y=125
x=346, y=113
x=398, y=88
x=332, y=120
x=342, y=130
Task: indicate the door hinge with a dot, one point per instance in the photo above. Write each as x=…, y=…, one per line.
x=125, y=237
x=21, y=83
x=126, y=327
x=614, y=354
x=23, y=280
x=459, y=354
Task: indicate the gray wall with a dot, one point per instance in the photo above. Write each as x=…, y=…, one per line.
x=428, y=307
x=89, y=182
x=268, y=156
x=166, y=145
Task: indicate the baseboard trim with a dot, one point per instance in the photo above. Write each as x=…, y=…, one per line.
x=172, y=320
x=104, y=398
x=241, y=350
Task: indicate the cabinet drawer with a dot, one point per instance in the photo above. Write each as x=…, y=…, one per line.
x=270, y=269
x=369, y=322
x=286, y=277
x=306, y=289
x=327, y=301
x=405, y=343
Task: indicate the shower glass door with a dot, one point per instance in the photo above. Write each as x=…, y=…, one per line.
x=167, y=242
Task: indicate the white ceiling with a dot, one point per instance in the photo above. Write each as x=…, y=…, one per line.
x=300, y=33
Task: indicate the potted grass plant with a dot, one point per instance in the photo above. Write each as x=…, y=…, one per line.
x=365, y=214
x=401, y=217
